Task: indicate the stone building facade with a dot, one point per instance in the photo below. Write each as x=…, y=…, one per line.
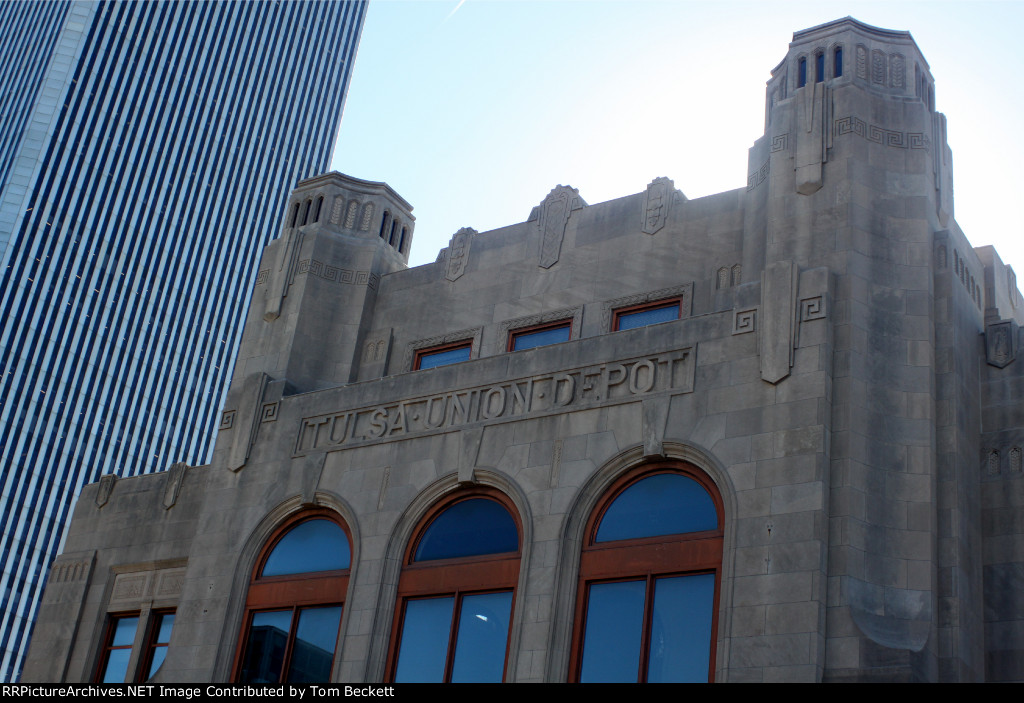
x=770, y=434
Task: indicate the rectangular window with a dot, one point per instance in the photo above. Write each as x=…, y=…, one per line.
x=819, y=68
x=540, y=335
x=647, y=314
x=433, y=357
x=156, y=646
x=117, y=648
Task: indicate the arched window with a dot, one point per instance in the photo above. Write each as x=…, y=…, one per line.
x=837, y=62
x=456, y=592
x=384, y=222
x=294, y=605
x=305, y=212
x=316, y=211
x=401, y=241
x=819, y=67
x=295, y=215
x=801, y=72
x=391, y=236
x=649, y=574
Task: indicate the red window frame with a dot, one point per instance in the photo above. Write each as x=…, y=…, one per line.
x=153, y=631
x=558, y=324
x=618, y=313
x=292, y=592
x=647, y=558
x=428, y=351
x=456, y=577
x=108, y=639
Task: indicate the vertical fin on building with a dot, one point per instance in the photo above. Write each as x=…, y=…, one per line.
x=172, y=483
x=281, y=274
x=778, y=305
x=552, y=217
x=248, y=402
x=811, y=148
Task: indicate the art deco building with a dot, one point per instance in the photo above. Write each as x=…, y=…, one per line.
x=770, y=434
x=145, y=151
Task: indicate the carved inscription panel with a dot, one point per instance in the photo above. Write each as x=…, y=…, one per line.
x=601, y=384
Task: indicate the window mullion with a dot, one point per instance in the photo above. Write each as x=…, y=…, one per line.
x=453, y=631
x=286, y=660
x=645, y=642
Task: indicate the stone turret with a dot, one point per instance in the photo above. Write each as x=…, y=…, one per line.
x=315, y=286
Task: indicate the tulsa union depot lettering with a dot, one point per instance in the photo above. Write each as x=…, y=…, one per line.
x=593, y=385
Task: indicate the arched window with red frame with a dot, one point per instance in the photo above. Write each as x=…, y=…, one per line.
x=456, y=592
x=650, y=569
x=295, y=602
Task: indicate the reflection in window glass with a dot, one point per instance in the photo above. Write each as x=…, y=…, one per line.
x=541, y=338
x=614, y=631
x=312, y=546
x=161, y=638
x=313, y=651
x=430, y=360
x=469, y=528
x=483, y=634
x=681, y=629
x=120, y=650
x=663, y=504
x=647, y=316
x=264, y=652
x=424, y=643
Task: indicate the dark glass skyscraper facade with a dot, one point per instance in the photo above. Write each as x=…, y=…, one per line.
x=146, y=153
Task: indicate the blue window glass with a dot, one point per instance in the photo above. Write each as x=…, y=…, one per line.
x=681, y=629
x=442, y=357
x=161, y=637
x=313, y=650
x=119, y=651
x=663, y=504
x=541, y=337
x=837, y=66
x=614, y=632
x=264, y=652
x=647, y=316
x=801, y=69
x=311, y=546
x=469, y=528
x=819, y=68
x=483, y=634
x=425, y=632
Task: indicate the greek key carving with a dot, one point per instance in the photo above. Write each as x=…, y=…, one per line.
x=758, y=177
x=333, y=274
x=780, y=142
x=879, y=135
x=744, y=321
x=269, y=411
x=262, y=276
x=227, y=420
x=812, y=309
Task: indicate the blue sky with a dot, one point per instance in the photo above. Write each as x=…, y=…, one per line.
x=473, y=111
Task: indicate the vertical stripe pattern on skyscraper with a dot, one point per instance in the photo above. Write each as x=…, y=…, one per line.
x=180, y=131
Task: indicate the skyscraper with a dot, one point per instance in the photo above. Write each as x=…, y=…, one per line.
x=146, y=149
